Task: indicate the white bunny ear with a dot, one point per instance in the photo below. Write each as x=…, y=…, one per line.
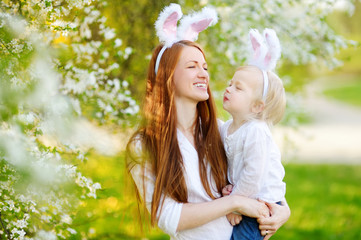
x=265, y=51
x=258, y=49
x=166, y=24
x=192, y=25
x=274, y=48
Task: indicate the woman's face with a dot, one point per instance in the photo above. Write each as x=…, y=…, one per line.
x=191, y=76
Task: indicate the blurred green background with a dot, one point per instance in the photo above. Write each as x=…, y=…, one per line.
x=325, y=199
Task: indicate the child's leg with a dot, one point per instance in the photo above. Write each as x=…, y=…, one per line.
x=247, y=229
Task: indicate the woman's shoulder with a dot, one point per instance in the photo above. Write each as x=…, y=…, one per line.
x=220, y=122
x=223, y=125
x=135, y=147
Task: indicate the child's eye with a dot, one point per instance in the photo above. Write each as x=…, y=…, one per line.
x=206, y=69
x=191, y=66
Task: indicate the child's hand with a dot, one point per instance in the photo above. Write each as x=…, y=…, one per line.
x=234, y=218
x=227, y=190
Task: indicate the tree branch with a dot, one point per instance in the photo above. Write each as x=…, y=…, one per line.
x=8, y=48
x=5, y=229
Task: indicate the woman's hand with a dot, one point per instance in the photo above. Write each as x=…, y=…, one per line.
x=234, y=218
x=250, y=207
x=279, y=214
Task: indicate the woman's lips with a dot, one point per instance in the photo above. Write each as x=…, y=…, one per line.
x=200, y=85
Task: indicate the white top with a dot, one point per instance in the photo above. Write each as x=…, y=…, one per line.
x=254, y=161
x=219, y=229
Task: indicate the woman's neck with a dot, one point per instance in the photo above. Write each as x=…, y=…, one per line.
x=186, y=116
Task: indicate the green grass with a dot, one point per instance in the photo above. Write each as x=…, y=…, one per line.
x=325, y=201
x=113, y=215
x=349, y=93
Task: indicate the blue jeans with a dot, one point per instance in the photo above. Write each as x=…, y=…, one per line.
x=247, y=229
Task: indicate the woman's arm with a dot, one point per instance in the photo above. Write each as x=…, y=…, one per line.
x=175, y=217
x=279, y=215
x=197, y=214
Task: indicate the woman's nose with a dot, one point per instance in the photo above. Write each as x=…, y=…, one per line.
x=202, y=72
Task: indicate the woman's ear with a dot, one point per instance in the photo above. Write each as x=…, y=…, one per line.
x=257, y=107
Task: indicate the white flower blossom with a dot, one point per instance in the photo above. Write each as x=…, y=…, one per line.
x=109, y=33
x=118, y=42
x=65, y=218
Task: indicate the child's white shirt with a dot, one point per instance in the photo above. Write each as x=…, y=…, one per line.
x=218, y=229
x=254, y=161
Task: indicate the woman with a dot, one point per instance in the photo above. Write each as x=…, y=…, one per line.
x=179, y=164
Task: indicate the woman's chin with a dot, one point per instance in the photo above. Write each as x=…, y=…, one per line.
x=204, y=97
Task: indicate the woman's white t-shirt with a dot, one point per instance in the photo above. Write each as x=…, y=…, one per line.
x=218, y=229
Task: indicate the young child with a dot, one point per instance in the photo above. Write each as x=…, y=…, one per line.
x=256, y=100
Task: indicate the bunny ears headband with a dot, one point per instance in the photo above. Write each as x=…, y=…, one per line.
x=265, y=52
x=189, y=28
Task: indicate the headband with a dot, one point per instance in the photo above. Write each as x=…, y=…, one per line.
x=265, y=52
x=189, y=28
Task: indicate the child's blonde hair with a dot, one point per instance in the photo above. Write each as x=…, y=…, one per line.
x=275, y=103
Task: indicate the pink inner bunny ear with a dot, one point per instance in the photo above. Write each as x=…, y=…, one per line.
x=166, y=24
x=274, y=48
x=170, y=25
x=256, y=43
x=193, y=24
x=201, y=25
x=255, y=46
x=267, y=58
x=258, y=49
x=195, y=28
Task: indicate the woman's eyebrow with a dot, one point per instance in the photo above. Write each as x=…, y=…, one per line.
x=195, y=61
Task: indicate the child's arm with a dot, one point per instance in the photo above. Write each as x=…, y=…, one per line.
x=232, y=218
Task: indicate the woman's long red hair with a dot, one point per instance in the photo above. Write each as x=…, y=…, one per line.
x=158, y=134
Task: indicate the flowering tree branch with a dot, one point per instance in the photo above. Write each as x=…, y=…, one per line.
x=5, y=229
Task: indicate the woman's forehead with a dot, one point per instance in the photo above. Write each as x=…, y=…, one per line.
x=192, y=54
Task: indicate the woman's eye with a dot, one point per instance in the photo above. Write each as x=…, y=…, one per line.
x=206, y=69
x=191, y=66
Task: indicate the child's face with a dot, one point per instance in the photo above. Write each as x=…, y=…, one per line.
x=242, y=92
